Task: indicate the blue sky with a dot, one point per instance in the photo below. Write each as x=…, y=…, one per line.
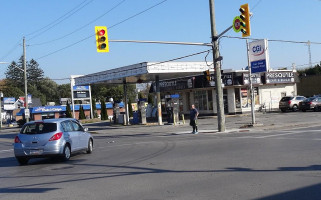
x=173, y=20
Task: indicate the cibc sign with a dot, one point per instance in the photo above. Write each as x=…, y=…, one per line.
x=259, y=56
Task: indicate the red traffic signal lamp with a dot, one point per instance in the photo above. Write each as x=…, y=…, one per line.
x=245, y=20
x=101, y=39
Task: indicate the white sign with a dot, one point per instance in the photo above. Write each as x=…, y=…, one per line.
x=27, y=113
x=259, y=56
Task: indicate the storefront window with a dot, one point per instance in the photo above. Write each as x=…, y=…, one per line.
x=237, y=98
x=200, y=99
x=246, y=98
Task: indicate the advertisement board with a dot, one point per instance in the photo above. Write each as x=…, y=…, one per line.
x=9, y=100
x=279, y=77
x=259, y=56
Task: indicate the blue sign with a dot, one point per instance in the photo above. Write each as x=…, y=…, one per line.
x=9, y=100
x=81, y=88
x=175, y=96
x=258, y=66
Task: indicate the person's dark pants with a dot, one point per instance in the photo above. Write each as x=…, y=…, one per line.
x=193, y=123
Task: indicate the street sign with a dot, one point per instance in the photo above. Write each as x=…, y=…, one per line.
x=237, y=24
x=27, y=113
x=259, y=56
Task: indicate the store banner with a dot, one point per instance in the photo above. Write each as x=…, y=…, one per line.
x=227, y=79
x=255, y=78
x=280, y=77
x=259, y=56
x=9, y=100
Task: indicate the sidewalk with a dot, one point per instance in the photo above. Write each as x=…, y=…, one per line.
x=208, y=124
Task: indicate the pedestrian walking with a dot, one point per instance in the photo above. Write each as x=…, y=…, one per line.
x=193, y=119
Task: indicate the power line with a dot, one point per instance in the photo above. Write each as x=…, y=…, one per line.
x=80, y=28
x=60, y=19
x=109, y=28
x=138, y=14
x=286, y=41
x=179, y=58
x=10, y=51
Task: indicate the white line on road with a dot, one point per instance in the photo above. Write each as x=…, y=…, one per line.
x=6, y=150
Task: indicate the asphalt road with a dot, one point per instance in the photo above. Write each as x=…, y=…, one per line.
x=167, y=162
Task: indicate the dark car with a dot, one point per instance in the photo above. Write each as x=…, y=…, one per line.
x=290, y=103
x=312, y=103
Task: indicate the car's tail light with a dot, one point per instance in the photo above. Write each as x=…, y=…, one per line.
x=310, y=102
x=17, y=140
x=289, y=102
x=56, y=136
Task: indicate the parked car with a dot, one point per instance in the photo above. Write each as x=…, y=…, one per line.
x=51, y=137
x=290, y=103
x=312, y=103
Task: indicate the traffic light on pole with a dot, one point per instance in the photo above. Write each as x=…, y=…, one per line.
x=207, y=75
x=101, y=39
x=245, y=20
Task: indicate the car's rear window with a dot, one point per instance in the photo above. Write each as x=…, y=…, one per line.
x=39, y=128
x=286, y=98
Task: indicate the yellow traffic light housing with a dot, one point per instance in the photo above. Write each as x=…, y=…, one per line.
x=207, y=75
x=245, y=20
x=101, y=39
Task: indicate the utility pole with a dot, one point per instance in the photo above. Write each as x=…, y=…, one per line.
x=309, y=49
x=217, y=73
x=251, y=84
x=25, y=77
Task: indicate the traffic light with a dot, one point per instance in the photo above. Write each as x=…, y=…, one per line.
x=101, y=39
x=207, y=75
x=245, y=20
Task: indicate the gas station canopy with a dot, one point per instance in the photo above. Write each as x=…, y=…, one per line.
x=145, y=72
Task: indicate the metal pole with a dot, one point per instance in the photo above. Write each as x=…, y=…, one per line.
x=0, y=110
x=159, y=105
x=25, y=76
x=91, y=104
x=217, y=68
x=251, y=85
x=126, y=102
x=72, y=82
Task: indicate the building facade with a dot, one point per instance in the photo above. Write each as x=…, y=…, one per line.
x=268, y=88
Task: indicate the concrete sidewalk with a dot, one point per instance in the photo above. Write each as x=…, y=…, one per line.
x=208, y=124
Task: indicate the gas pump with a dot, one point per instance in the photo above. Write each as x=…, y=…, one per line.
x=116, y=112
x=142, y=110
x=172, y=108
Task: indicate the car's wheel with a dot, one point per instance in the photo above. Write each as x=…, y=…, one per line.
x=316, y=109
x=90, y=146
x=22, y=161
x=295, y=108
x=67, y=153
x=283, y=110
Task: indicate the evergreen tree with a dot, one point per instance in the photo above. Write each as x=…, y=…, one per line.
x=81, y=113
x=93, y=101
x=103, y=113
x=68, y=111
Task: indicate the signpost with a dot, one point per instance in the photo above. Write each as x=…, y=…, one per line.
x=237, y=24
x=259, y=56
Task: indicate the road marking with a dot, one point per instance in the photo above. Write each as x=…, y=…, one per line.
x=6, y=150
